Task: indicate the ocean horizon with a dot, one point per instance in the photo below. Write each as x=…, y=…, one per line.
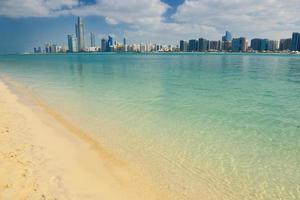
x=217, y=125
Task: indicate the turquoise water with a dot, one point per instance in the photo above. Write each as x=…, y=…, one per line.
x=201, y=126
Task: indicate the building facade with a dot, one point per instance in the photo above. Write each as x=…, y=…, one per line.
x=193, y=46
x=103, y=44
x=79, y=29
x=214, y=45
x=203, y=44
x=227, y=37
x=295, y=46
x=110, y=44
x=72, y=43
x=285, y=44
x=239, y=44
x=93, y=39
x=183, y=46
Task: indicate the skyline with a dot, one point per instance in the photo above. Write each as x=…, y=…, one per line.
x=33, y=22
x=76, y=43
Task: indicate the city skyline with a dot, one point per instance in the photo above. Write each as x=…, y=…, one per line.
x=30, y=23
x=228, y=43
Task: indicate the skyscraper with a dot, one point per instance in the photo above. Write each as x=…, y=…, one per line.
x=79, y=29
x=183, y=46
x=48, y=48
x=215, y=45
x=203, y=44
x=264, y=44
x=239, y=44
x=227, y=37
x=124, y=44
x=255, y=44
x=103, y=44
x=93, y=43
x=258, y=44
x=193, y=45
x=72, y=43
x=295, y=42
x=285, y=44
x=110, y=44
x=272, y=45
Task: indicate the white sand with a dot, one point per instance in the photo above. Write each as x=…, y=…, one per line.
x=41, y=158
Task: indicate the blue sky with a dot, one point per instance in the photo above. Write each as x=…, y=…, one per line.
x=28, y=23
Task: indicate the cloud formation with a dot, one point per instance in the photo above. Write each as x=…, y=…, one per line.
x=34, y=8
x=193, y=18
x=266, y=17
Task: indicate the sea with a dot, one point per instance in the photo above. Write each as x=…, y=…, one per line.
x=209, y=126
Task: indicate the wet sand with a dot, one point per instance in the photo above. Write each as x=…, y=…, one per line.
x=43, y=159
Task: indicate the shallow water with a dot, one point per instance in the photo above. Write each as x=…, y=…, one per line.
x=201, y=126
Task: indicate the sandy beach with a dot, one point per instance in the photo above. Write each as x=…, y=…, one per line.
x=43, y=159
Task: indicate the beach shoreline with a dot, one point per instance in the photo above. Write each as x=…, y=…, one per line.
x=42, y=159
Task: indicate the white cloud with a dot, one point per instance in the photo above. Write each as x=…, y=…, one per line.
x=126, y=11
x=264, y=18
x=145, y=19
x=33, y=8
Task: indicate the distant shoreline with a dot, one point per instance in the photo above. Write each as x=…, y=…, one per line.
x=158, y=53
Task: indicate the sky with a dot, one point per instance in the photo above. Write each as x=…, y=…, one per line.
x=25, y=24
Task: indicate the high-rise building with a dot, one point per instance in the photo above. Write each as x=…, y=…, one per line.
x=93, y=39
x=37, y=50
x=125, y=44
x=259, y=44
x=227, y=37
x=203, y=44
x=48, y=48
x=255, y=44
x=239, y=44
x=79, y=29
x=295, y=46
x=110, y=44
x=264, y=44
x=72, y=43
x=54, y=48
x=226, y=45
x=183, y=46
x=272, y=45
x=285, y=44
x=215, y=45
x=103, y=44
x=193, y=45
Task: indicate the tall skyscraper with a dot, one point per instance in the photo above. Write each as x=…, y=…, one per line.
x=103, y=44
x=79, y=29
x=239, y=44
x=93, y=39
x=110, y=44
x=227, y=37
x=124, y=44
x=72, y=43
x=295, y=42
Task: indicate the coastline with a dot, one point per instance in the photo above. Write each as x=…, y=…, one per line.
x=43, y=159
x=162, y=53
